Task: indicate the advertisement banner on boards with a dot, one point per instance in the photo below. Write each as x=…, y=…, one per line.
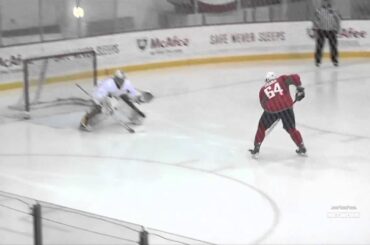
x=187, y=43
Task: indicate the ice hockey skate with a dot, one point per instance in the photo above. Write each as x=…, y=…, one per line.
x=301, y=150
x=84, y=124
x=255, y=152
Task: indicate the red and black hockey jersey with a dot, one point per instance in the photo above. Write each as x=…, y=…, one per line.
x=275, y=95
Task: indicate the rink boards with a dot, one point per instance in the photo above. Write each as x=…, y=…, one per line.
x=188, y=46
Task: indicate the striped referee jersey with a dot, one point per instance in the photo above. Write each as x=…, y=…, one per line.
x=327, y=19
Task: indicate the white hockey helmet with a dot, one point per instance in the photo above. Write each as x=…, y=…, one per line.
x=270, y=76
x=119, y=74
x=119, y=77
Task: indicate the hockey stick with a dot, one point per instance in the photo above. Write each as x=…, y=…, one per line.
x=124, y=98
x=128, y=128
x=129, y=103
x=83, y=90
x=273, y=126
x=253, y=151
x=277, y=121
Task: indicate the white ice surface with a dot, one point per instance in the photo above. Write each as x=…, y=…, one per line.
x=187, y=169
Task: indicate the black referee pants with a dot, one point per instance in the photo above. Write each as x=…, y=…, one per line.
x=333, y=43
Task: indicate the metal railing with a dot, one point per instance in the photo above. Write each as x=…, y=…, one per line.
x=28, y=221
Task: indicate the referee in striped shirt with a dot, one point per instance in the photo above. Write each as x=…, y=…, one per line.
x=326, y=24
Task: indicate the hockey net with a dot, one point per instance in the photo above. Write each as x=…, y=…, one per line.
x=50, y=82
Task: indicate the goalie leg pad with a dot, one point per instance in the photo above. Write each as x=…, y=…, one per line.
x=86, y=119
x=135, y=118
x=109, y=105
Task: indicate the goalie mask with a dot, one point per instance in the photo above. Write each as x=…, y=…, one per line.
x=119, y=78
x=270, y=76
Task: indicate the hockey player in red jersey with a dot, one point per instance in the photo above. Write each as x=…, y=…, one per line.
x=277, y=103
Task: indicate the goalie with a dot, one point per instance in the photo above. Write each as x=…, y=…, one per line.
x=107, y=97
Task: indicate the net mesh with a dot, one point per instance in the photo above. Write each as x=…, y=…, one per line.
x=50, y=81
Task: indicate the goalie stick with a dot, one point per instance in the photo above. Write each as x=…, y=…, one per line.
x=128, y=128
x=126, y=99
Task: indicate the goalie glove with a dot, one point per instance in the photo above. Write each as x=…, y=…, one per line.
x=138, y=99
x=300, y=94
x=144, y=97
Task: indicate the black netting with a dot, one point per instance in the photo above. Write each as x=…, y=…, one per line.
x=51, y=81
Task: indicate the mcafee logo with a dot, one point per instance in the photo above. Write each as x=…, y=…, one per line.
x=345, y=33
x=142, y=43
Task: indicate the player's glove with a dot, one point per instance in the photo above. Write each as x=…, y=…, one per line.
x=300, y=94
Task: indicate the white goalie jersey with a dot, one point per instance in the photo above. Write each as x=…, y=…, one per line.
x=108, y=87
x=108, y=101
